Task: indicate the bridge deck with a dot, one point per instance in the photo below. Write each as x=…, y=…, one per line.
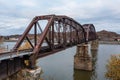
x=43, y=52
x=13, y=54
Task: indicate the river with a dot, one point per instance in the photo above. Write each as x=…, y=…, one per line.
x=60, y=66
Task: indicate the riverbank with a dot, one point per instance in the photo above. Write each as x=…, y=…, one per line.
x=10, y=40
x=100, y=42
x=109, y=42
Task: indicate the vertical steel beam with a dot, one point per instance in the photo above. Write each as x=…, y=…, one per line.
x=52, y=35
x=64, y=34
x=59, y=32
x=70, y=34
x=35, y=34
x=49, y=35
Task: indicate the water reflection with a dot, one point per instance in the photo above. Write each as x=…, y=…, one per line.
x=60, y=65
x=82, y=75
x=88, y=75
x=94, y=54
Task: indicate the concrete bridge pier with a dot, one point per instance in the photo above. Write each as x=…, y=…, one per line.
x=82, y=59
x=27, y=74
x=94, y=45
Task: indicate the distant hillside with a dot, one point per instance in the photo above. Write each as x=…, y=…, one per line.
x=103, y=36
x=107, y=35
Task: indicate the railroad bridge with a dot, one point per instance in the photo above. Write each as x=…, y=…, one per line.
x=51, y=34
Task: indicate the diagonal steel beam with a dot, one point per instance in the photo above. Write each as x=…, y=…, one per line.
x=19, y=42
x=49, y=44
x=29, y=42
x=43, y=35
x=37, y=48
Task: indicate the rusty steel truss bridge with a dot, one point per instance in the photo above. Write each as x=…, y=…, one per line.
x=50, y=34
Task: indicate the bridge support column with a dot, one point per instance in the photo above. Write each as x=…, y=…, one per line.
x=94, y=45
x=27, y=74
x=82, y=59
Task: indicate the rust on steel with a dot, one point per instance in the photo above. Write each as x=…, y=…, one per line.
x=90, y=32
x=60, y=31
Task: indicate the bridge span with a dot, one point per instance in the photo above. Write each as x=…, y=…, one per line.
x=50, y=34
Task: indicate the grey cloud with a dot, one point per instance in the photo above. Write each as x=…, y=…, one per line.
x=17, y=14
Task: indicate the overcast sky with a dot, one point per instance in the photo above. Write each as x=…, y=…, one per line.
x=15, y=15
